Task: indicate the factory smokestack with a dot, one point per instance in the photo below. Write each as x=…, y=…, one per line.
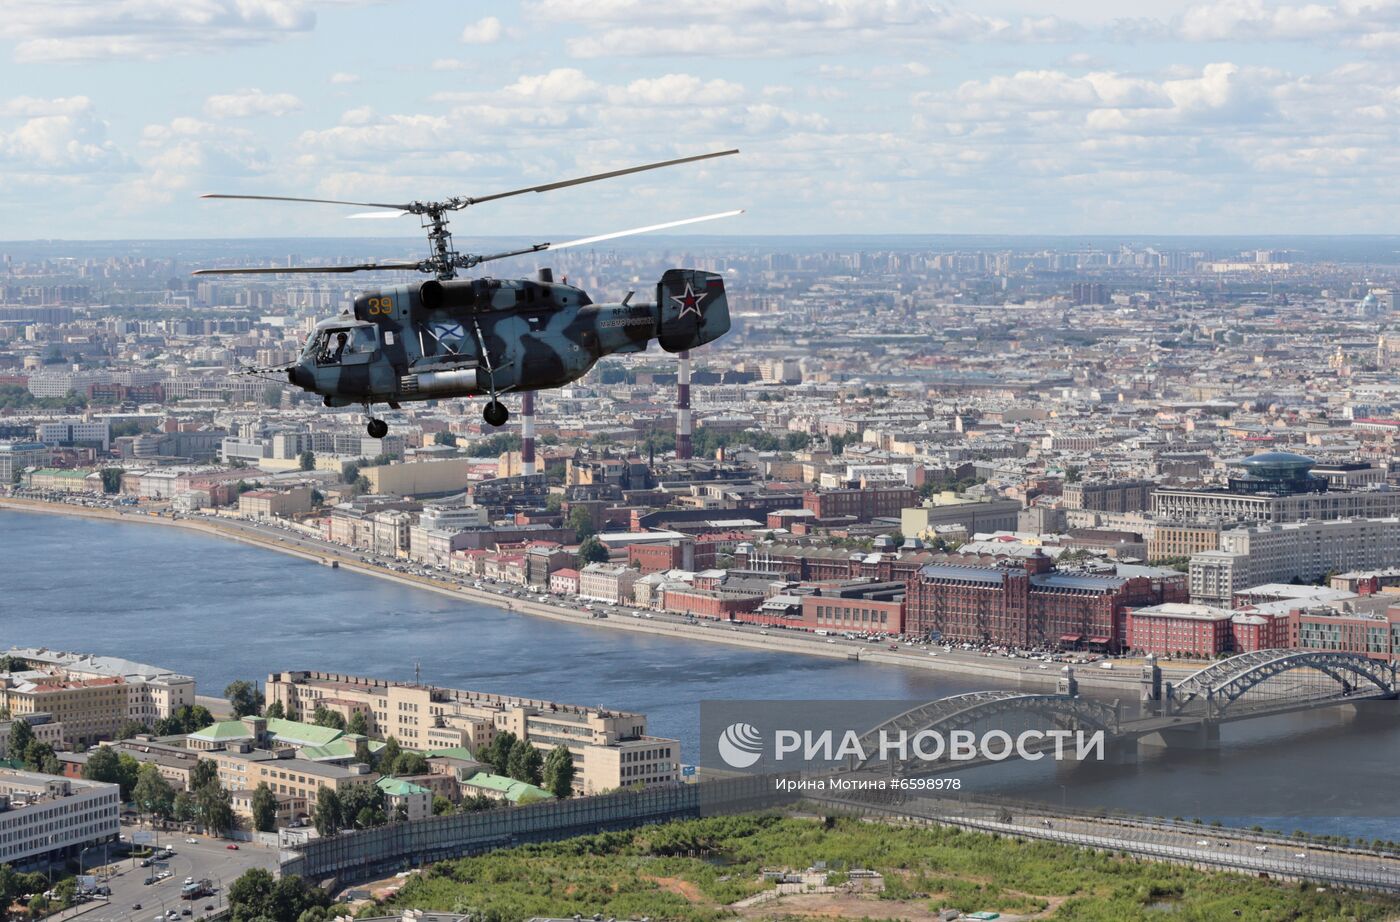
x=527, y=433
x=683, y=451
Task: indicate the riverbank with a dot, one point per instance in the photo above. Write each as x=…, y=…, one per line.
x=995, y=671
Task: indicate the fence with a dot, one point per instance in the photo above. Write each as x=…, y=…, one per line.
x=375, y=852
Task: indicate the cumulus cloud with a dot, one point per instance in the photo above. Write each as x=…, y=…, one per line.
x=343, y=79
x=84, y=30
x=768, y=28
x=248, y=103
x=485, y=31
x=57, y=136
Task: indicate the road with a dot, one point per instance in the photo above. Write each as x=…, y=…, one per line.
x=209, y=858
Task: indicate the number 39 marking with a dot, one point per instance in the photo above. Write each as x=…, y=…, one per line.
x=379, y=307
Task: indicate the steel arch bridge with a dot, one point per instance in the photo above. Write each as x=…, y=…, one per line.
x=959, y=712
x=1222, y=684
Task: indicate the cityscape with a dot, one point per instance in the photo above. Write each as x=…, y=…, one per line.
x=749, y=461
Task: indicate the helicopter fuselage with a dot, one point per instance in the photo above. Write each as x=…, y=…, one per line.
x=442, y=339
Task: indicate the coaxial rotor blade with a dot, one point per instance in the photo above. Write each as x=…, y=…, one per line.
x=289, y=270
x=317, y=201
x=378, y=215
x=583, y=241
x=464, y=202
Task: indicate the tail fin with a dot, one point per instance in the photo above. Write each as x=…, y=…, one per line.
x=694, y=310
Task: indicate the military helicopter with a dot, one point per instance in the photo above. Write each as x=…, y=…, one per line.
x=449, y=337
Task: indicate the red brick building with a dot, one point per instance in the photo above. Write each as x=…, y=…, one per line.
x=863, y=504
x=1180, y=628
x=1259, y=632
x=710, y=603
x=835, y=613
x=681, y=554
x=1028, y=604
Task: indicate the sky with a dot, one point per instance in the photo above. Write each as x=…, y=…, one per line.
x=853, y=116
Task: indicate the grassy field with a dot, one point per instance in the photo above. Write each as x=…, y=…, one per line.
x=692, y=871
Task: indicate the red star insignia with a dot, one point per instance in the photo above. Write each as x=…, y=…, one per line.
x=690, y=301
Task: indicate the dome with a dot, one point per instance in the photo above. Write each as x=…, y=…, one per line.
x=1276, y=460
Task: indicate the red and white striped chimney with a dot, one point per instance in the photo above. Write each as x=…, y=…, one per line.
x=683, y=450
x=527, y=433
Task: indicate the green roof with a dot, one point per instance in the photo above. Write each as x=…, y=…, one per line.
x=283, y=731
x=61, y=472
x=396, y=787
x=294, y=731
x=342, y=748
x=452, y=752
x=223, y=731
x=511, y=789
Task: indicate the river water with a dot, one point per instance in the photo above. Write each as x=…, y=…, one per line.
x=221, y=611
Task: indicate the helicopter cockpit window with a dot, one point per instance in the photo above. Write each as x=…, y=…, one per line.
x=334, y=346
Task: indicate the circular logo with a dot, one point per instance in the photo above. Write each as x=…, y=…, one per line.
x=740, y=745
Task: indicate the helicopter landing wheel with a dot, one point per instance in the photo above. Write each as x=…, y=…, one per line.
x=377, y=428
x=495, y=413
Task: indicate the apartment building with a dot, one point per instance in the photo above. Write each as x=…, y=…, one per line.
x=88, y=709
x=92, y=695
x=1108, y=496
x=948, y=509
x=607, y=583
x=611, y=749
x=243, y=768
x=45, y=817
x=1295, y=550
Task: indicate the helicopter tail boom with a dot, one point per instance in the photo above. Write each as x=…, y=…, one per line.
x=693, y=309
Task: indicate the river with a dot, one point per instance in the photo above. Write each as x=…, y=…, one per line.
x=221, y=610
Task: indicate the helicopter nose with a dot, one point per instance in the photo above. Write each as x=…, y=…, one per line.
x=301, y=376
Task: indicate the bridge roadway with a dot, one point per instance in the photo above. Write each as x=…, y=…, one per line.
x=1208, y=847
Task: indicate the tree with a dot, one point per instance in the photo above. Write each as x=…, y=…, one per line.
x=362, y=752
x=581, y=521
x=358, y=724
x=106, y=764
x=205, y=772
x=131, y=728
x=21, y=735
x=65, y=892
x=153, y=794
x=326, y=814
x=112, y=479
x=257, y=896
x=264, y=808
x=275, y=710
x=447, y=438
x=524, y=763
x=362, y=805
x=349, y=472
x=307, y=460
x=442, y=806
x=325, y=717
x=559, y=772
x=187, y=719
x=272, y=397
x=553, y=502
x=410, y=763
x=184, y=810
x=214, y=807
x=244, y=696
x=592, y=551
x=390, y=753
x=497, y=753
